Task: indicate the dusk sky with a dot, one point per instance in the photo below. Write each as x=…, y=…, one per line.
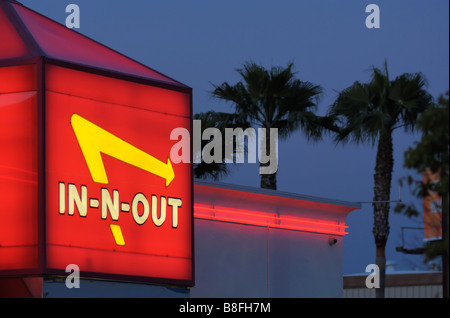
x=201, y=43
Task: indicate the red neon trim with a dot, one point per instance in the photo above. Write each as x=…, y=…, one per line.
x=272, y=216
x=269, y=220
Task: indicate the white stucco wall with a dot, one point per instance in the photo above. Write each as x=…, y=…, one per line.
x=244, y=260
x=235, y=260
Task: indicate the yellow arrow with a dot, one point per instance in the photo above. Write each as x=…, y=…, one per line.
x=117, y=233
x=94, y=141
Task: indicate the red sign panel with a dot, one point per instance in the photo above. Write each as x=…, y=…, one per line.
x=18, y=169
x=115, y=203
x=106, y=195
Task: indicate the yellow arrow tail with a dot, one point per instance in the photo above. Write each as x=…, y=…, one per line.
x=94, y=141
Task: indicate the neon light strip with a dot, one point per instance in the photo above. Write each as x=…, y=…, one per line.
x=271, y=220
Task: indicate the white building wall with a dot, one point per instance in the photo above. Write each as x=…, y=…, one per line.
x=236, y=260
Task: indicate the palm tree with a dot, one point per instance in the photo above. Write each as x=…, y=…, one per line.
x=271, y=99
x=220, y=121
x=371, y=112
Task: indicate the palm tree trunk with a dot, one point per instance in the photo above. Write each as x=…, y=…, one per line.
x=268, y=181
x=382, y=187
x=444, y=234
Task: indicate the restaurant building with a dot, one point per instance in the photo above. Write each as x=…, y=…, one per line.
x=89, y=191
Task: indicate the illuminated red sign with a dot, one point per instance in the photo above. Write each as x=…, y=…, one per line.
x=18, y=169
x=115, y=203
x=85, y=173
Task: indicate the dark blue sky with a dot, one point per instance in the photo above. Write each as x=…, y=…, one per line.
x=203, y=42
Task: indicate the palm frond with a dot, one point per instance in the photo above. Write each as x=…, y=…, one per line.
x=364, y=111
x=270, y=98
